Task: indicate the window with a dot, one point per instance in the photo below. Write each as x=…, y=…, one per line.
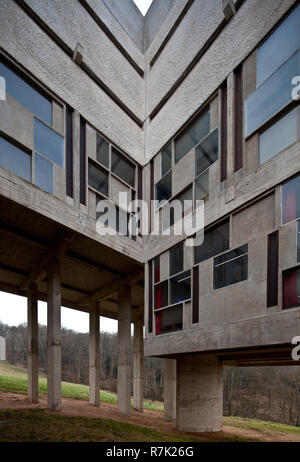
x=238, y=118
x=298, y=242
x=169, y=320
x=282, y=43
x=216, y=240
x=122, y=167
x=192, y=135
x=170, y=216
x=207, y=152
x=48, y=143
x=150, y=302
x=166, y=159
x=43, y=173
x=180, y=287
x=26, y=95
x=102, y=151
x=69, y=151
x=272, y=278
x=164, y=188
x=157, y=269
x=195, y=294
x=279, y=136
x=176, y=259
x=201, y=188
x=291, y=288
x=98, y=178
x=224, y=131
x=231, y=267
x=291, y=200
x=82, y=161
x=161, y=295
x=15, y=159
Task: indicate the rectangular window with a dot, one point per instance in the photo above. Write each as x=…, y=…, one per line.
x=44, y=173
x=272, y=277
x=231, y=267
x=172, y=213
x=279, y=136
x=281, y=44
x=26, y=95
x=176, y=260
x=224, y=131
x=298, y=242
x=207, y=152
x=291, y=288
x=98, y=178
x=166, y=159
x=150, y=293
x=272, y=96
x=157, y=269
x=216, y=240
x=82, y=161
x=291, y=200
x=102, y=151
x=196, y=294
x=169, y=320
x=164, y=188
x=122, y=167
x=180, y=287
x=238, y=118
x=140, y=183
x=192, y=135
x=69, y=151
x=161, y=295
x=48, y=143
x=201, y=190
x=15, y=159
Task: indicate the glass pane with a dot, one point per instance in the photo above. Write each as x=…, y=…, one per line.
x=26, y=95
x=215, y=241
x=176, y=259
x=49, y=143
x=232, y=254
x=15, y=160
x=44, y=174
x=191, y=136
x=166, y=159
x=202, y=187
x=291, y=200
x=272, y=96
x=283, y=42
x=98, y=178
x=291, y=288
x=102, y=151
x=298, y=242
x=157, y=269
x=122, y=167
x=207, y=152
x=278, y=136
x=161, y=295
x=180, y=287
x=169, y=320
x=164, y=188
x=231, y=268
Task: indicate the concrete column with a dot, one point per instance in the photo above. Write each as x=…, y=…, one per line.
x=94, y=355
x=124, y=351
x=199, y=394
x=170, y=389
x=54, y=337
x=138, y=366
x=32, y=338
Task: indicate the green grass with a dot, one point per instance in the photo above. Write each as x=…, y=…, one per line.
x=14, y=379
x=259, y=425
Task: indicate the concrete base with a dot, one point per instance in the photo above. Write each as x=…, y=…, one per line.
x=199, y=394
x=94, y=356
x=124, y=351
x=170, y=389
x=32, y=338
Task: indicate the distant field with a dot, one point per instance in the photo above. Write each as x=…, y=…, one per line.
x=14, y=379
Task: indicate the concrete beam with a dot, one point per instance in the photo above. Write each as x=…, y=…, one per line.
x=94, y=355
x=124, y=350
x=170, y=389
x=138, y=366
x=54, y=337
x=32, y=339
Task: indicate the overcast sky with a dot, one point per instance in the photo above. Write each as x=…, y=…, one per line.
x=143, y=5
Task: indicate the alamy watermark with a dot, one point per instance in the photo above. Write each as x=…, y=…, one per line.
x=296, y=91
x=296, y=349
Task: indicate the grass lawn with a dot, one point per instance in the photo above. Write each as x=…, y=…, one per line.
x=14, y=380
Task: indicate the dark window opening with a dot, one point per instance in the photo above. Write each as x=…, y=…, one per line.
x=169, y=320
x=69, y=152
x=224, y=131
x=216, y=240
x=150, y=293
x=161, y=295
x=122, y=167
x=166, y=159
x=82, y=161
x=164, y=188
x=180, y=288
x=157, y=269
x=298, y=242
x=231, y=267
x=98, y=178
x=207, y=152
x=272, y=277
x=192, y=135
x=102, y=151
x=195, y=294
x=238, y=118
x=176, y=260
x=291, y=288
x=291, y=200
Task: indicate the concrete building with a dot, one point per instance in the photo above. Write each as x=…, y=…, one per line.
x=2, y=349
x=196, y=101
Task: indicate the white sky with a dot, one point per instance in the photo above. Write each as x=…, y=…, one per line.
x=13, y=311
x=143, y=5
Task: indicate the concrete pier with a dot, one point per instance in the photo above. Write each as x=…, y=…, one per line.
x=94, y=355
x=138, y=365
x=124, y=351
x=32, y=338
x=170, y=389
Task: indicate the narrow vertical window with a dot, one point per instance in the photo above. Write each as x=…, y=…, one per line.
x=223, y=131
x=150, y=298
x=298, y=242
x=82, y=161
x=272, y=279
x=140, y=183
x=69, y=151
x=238, y=118
x=151, y=193
x=196, y=294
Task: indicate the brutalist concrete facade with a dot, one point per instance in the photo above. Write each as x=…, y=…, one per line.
x=172, y=96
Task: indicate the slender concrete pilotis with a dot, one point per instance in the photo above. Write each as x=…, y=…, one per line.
x=170, y=389
x=32, y=338
x=94, y=355
x=54, y=336
x=124, y=350
x=138, y=365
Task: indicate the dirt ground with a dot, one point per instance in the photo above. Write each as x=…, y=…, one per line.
x=150, y=419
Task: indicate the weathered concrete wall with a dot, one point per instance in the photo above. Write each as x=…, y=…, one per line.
x=155, y=17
